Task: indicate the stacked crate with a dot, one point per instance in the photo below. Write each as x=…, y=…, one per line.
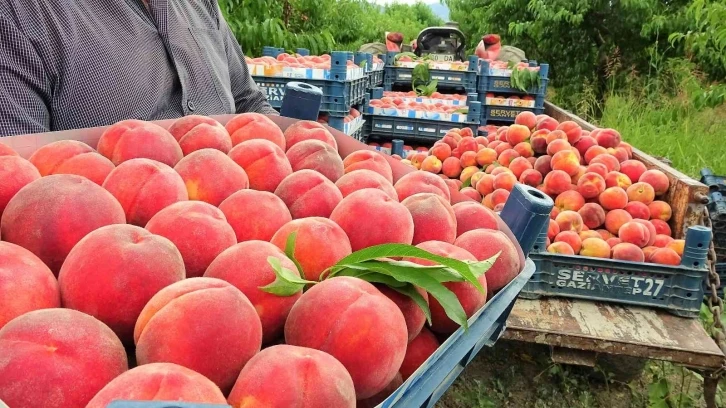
x=501, y=102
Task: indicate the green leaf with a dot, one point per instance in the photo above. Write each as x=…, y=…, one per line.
x=290, y=250
x=466, y=183
x=481, y=267
x=286, y=283
x=410, y=291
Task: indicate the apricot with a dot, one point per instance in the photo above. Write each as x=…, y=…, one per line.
x=660, y=210
x=354, y=322
x=270, y=214
x=526, y=119
x=308, y=193
x=485, y=243
x=595, y=247
x=485, y=185
x=626, y=251
x=665, y=256
x=641, y=192
x=421, y=182
x=613, y=198
x=633, y=169
x=251, y=125
x=557, y=145
x=144, y=187
x=184, y=222
x=571, y=129
x=678, y=246
x=562, y=248
x=557, y=182
x=661, y=227
x=114, y=271
x=417, y=352
x=592, y=215
x=570, y=200
x=607, y=137
x=361, y=179
x=543, y=165
x=636, y=209
x=159, y=382
x=634, y=233
x=369, y=160
x=26, y=283
x=57, y=358
x=308, y=130
x=617, y=179
x=15, y=173
x=71, y=157
x=451, y=167
x=196, y=132
x=65, y=208
x=211, y=176
x=192, y=307
x=132, y=139
x=657, y=179
x=598, y=168
x=591, y=185
x=264, y=163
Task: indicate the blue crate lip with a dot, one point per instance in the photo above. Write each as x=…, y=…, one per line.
x=303, y=73
x=418, y=114
x=406, y=129
x=353, y=126
x=512, y=103
x=442, y=66
x=504, y=113
x=431, y=101
x=338, y=96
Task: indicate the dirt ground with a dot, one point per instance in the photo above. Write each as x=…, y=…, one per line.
x=514, y=374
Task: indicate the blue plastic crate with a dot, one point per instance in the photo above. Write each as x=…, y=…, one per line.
x=338, y=96
x=528, y=212
x=495, y=114
x=502, y=84
x=678, y=289
x=375, y=79
x=446, y=78
x=715, y=183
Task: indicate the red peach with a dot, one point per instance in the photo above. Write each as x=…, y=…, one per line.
x=570, y=200
x=321, y=157
x=500, y=169
x=572, y=239
x=657, y=179
x=471, y=193
x=552, y=230
x=592, y=215
x=71, y=157
x=543, y=165
x=613, y=241
x=665, y=256
x=195, y=132
x=308, y=193
x=418, y=351
x=451, y=167
x=634, y=233
x=595, y=247
x=678, y=246
x=485, y=243
x=590, y=185
x=471, y=216
x=505, y=181
x=431, y=164
x=626, y=251
x=526, y=119
x=560, y=248
x=441, y=150
x=567, y=161
x=485, y=185
x=617, y=179
x=633, y=169
x=589, y=234
x=569, y=221
x=15, y=173
x=616, y=219
x=531, y=177
x=433, y=218
x=547, y=123
x=6, y=150
x=557, y=182
x=211, y=176
x=467, y=144
x=499, y=196
x=583, y=144
x=412, y=312
x=661, y=241
x=641, y=192
x=468, y=159
x=517, y=134
x=131, y=139
x=250, y=125
x=661, y=227
x=605, y=234
x=638, y=210
x=572, y=130
x=502, y=147
x=610, y=162
x=506, y=157
x=361, y=179
x=557, y=145
x=651, y=230
x=613, y=198
x=486, y=156
x=524, y=149
x=593, y=152
x=519, y=165
x=660, y=210
x=370, y=160
x=539, y=143
x=308, y=130
x=598, y=168
x=270, y=211
x=556, y=135
x=648, y=252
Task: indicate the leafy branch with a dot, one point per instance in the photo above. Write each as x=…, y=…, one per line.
x=523, y=78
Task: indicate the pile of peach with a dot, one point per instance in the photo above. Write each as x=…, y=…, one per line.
x=607, y=204
x=295, y=61
x=159, y=243
x=435, y=95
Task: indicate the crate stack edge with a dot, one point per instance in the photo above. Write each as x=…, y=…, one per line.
x=496, y=94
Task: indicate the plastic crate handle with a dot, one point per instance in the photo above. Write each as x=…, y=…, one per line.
x=301, y=101
x=527, y=213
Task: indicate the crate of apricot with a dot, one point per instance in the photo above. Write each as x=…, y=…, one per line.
x=609, y=236
x=235, y=261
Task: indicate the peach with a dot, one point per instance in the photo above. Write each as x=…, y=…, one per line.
x=616, y=219
x=539, y=143
x=584, y=143
x=526, y=119
x=660, y=210
x=65, y=208
x=159, y=382
x=308, y=193
x=567, y=161
x=547, y=123
x=557, y=145
x=412, y=312
x=506, y=157
x=467, y=159
x=651, y=230
x=467, y=144
x=466, y=132
x=476, y=177
x=638, y=210
x=71, y=157
x=678, y=246
x=502, y=147
x=195, y=132
x=493, y=145
x=250, y=125
x=613, y=198
x=114, y=271
x=557, y=182
x=369, y=160
x=184, y=222
x=451, y=140
x=271, y=214
x=485, y=243
x=192, y=307
x=15, y=173
x=505, y=181
x=532, y=160
x=393, y=222
x=554, y=213
x=570, y=200
x=524, y=149
x=576, y=178
x=519, y=165
x=589, y=234
x=531, y=177
x=572, y=239
x=594, y=152
x=617, y=179
x=486, y=156
x=648, y=252
x=131, y=139
x=595, y=247
x=591, y=185
x=500, y=169
x=613, y=241
x=246, y=266
x=26, y=283
x=571, y=129
x=641, y=192
x=665, y=256
x=417, y=159
x=605, y=234
x=442, y=151
x=556, y=135
x=6, y=150
x=361, y=179
x=543, y=165
x=302, y=370
x=569, y=221
x=517, y=134
x=598, y=168
x=560, y=248
x=633, y=169
x=610, y=162
x=417, y=352
x=552, y=230
x=433, y=218
x=308, y=130
x=471, y=193
x=499, y=196
x=661, y=241
x=57, y=358
x=144, y=187
x=421, y=182
x=471, y=216
x=657, y=179
x=485, y=185
x=320, y=243
x=634, y=233
x=451, y=167
x=626, y=251
x=592, y=215
x=211, y=176
x=607, y=137
x=321, y=157
x=264, y=163
x=354, y=322
x=661, y=227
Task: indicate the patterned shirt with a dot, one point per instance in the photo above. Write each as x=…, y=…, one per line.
x=67, y=64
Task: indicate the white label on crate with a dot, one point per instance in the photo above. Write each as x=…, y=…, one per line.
x=610, y=282
x=382, y=126
x=403, y=127
x=404, y=76
x=274, y=92
x=427, y=130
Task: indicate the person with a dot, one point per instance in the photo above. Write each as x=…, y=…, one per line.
x=67, y=64
x=490, y=47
